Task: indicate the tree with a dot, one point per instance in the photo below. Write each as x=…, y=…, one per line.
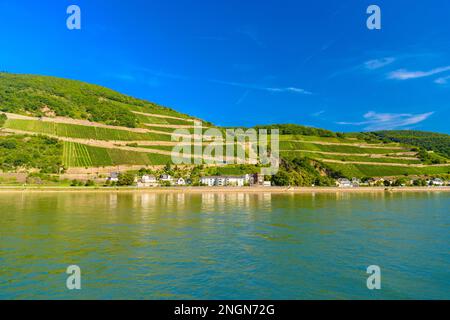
x=2, y=119
x=89, y=183
x=165, y=184
x=420, y=182
x=281, y=178
x=400, y=182
x=8, y=144
x=126, y=179
x=144, y=171
x=168, y=168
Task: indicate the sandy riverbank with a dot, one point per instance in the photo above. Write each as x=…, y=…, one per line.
x=7, y=189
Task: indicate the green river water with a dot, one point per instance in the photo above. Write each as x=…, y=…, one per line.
x=224, y=246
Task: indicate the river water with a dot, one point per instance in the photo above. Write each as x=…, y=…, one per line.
x=224, y=245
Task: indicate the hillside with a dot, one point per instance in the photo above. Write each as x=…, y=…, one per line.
x=352, y=157
x=437, y=142
x=40, y=96
x=56, y=125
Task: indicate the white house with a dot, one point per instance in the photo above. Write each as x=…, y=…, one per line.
x=208, y=181
x=356, y=182
x=180, y=182
x=267, y=184
x=147, y=181
x=222, y=181
x=113, y=177
x=344, y=183
x=437, y=182
x=166, y=178
x=235, y=181
x=256, y=179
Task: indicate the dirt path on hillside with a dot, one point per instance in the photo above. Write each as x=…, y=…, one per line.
x=91, y=124
x=162, y=116
x=356, y=154
x=361, y=145
x=172, y=126
x=386, y=164
x=108, y=169
x=164, y=143
x=172, y=134
x=104, y=143
x=76, y=122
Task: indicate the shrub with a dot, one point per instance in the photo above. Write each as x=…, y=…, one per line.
x=281, y=178
x=2, y=119
x=89, y=183
x=126, y=179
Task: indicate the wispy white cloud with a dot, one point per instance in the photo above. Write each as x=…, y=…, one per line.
x=374, y=121
x=252, y=33
x=442, y=80
x=229, y=83
x=319, y=51
x=289, y=89
x=364, y=67
x=262, y=88
x=378, y=63
x=404, y=74
x=243, y=97
x=318, y=113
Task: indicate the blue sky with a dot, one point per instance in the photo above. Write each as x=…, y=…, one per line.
x=242, y=63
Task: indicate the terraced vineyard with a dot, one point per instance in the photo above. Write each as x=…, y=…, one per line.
x=79, y=155
x=159, y=120
x=100, y=127
x=357, y=158
x=81, y=132
x=353, y=157
x=297, y=137
x=363, y=170
x=237, y=148
x=172, y=129
x=311, y=146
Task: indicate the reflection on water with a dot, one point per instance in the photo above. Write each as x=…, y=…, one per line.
x=224, y=245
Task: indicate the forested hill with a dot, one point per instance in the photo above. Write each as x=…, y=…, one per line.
x=44, y=128
x=437, y=142
x=50, y=96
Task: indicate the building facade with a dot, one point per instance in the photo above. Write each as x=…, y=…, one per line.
x=225, y=181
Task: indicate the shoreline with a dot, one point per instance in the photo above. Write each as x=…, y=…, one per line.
x=281, y=190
